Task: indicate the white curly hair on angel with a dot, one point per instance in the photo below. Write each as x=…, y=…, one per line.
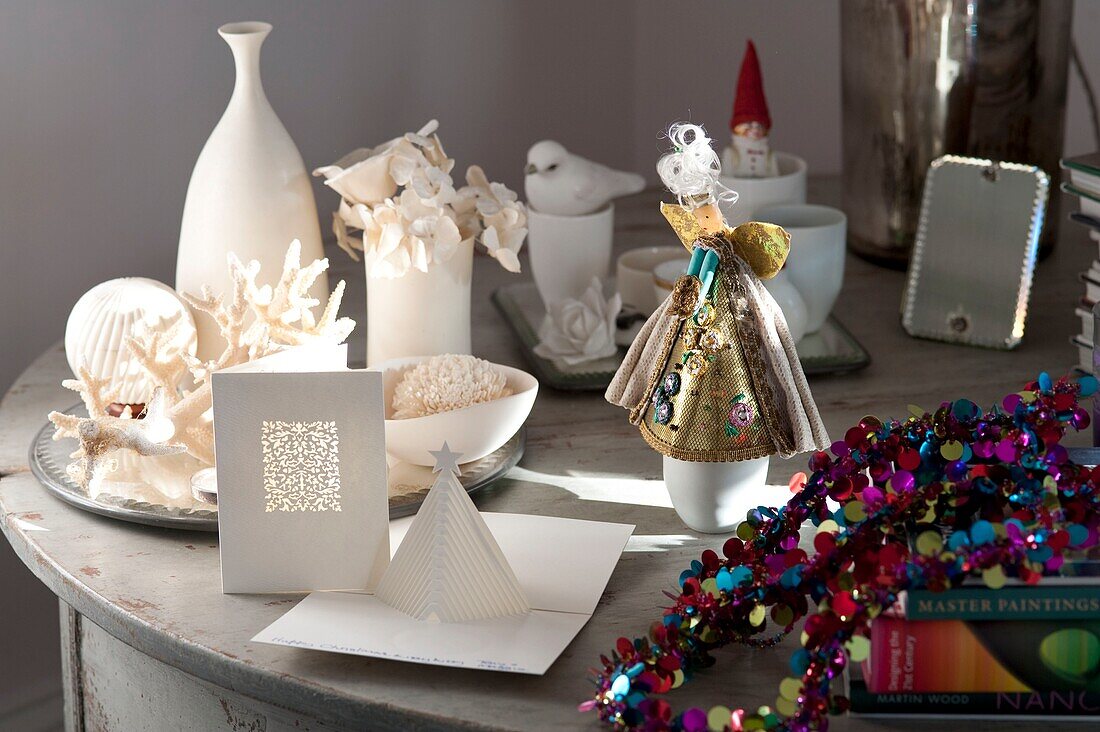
x=691, y=170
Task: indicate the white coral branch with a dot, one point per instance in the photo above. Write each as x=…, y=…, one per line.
x=95, y=392
x=255, y=321
x=156, y=352
x=102, y=435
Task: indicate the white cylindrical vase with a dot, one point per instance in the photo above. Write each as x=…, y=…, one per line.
x=566, y=252
x=421, y=313
x=715, y=497
x=249, y=192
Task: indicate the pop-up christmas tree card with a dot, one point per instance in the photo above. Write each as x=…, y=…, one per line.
x=467, y=589
x=449, y=568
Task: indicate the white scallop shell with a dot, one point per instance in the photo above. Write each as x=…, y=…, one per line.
x=107, y=314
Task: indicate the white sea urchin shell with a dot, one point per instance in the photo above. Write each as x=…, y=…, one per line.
x=448, y=382
x=105, y=316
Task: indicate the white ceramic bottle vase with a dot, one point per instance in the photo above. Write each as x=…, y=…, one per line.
x=249, y=192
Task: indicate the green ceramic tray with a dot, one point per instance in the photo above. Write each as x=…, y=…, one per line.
x=832, y=350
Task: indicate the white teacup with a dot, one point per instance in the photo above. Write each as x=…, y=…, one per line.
x=755, y=193
x=634, y=275
x=566, y=252
x=816, y=262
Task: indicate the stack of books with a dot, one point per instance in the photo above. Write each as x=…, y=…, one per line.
x=1017, y=652
x=1084, y=183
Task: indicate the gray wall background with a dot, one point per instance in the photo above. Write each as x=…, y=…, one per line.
x=104, y=107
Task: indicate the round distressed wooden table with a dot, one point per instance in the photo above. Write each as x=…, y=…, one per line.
x=150, y=642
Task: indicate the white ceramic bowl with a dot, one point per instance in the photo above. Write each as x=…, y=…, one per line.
x=473, y=431
x=755, y=193
x=634, y=275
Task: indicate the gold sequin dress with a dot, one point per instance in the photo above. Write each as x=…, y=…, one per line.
x=721, y=383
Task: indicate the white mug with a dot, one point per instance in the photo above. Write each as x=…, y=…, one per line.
x=816, y=261
x=566, y=252
x=666, y=274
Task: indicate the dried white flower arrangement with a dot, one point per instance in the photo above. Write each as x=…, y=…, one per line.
x=402, y=198
x=254, y=320
x=445, y=383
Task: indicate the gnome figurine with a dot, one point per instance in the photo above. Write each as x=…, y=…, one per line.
x=749, y=155
x=713, y=381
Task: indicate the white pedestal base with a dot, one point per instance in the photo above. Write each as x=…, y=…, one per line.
x=714, y=497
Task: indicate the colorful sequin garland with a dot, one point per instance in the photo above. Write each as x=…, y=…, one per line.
x=924, y=503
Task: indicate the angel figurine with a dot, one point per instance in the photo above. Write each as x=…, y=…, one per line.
x=712, y=380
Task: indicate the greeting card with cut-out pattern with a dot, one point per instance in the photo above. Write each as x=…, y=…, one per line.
x=300, y=446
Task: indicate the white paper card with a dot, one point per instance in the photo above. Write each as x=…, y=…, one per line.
x=363, y=625
x=300, y=448
x=589, y=550
x=562, y=565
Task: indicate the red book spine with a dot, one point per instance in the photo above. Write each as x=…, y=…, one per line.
x=893, y=658
x=932, y=656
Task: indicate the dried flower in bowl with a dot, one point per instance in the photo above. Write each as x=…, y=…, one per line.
x=472, y=426
x=445, y=383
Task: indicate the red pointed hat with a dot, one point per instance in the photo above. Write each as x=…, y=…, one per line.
x=750, y=105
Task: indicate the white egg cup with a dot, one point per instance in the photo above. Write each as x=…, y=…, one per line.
x=474, y=431
x=566, y=252
x=755, y=193
x=714, y=498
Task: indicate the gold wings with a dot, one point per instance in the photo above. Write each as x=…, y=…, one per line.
x=763, y=246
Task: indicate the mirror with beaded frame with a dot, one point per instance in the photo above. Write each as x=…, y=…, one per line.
x=974, y=255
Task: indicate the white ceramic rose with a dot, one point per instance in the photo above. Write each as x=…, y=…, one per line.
x=576, y=331
x=401, y=196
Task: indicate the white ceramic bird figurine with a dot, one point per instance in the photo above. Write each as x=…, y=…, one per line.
x=558, y=182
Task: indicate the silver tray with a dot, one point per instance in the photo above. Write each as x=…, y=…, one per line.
x=409, y=484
